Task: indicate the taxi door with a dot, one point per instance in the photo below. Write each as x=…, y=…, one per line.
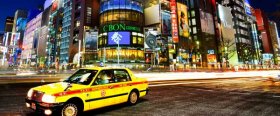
x=101, y=94
x=122, y=85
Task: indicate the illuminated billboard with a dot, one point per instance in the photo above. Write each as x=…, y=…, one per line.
x=248, y=7
x=166, y=23
x=122, y=38
x=183, y=20
x=91, y=41
x=207, y=23
x=121, y=4
x=173, y=8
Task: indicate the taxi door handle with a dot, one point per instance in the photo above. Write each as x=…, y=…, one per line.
x=111, y=87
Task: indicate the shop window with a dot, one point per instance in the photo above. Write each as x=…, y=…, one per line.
x=128, y=15
x=193, y=22
x=109, y=16
x=122, y=16
x=134, y=16
x=116, y=16
x=134, y=40
x=140, y=41
x=192, y=13
x=105, y=41
x=194, y=30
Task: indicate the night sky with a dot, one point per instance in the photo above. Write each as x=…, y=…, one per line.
x=270, y=7
x=8, y=8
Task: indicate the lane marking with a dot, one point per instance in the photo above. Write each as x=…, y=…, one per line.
x=240, y=93
x=169, y=84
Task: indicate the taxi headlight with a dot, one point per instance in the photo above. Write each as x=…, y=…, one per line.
x=48, y=98
x=29, y=94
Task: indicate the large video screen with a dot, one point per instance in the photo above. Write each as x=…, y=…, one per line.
x=122, y=38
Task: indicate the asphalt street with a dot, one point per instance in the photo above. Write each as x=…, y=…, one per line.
x=253, y=96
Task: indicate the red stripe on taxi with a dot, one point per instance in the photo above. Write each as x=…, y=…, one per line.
x=97, y=88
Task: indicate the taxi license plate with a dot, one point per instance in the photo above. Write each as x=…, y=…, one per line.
x=33, y=106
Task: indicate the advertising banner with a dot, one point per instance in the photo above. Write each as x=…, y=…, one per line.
x=166, y=23
x=91, y=41
x=183, y=20
x=211, y=58
x=174, y=21
x=122, y=38
x=207, y=24
x=247, y=7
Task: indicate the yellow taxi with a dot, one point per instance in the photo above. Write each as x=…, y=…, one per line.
x=87, y=89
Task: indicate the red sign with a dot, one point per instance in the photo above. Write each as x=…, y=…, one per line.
x=174, y=21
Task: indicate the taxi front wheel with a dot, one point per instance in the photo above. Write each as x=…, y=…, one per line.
x=70, y=109
x=133, y=98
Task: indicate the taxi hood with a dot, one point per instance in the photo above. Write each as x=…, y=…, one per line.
x=58, y=87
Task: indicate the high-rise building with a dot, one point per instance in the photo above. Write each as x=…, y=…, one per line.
x=243, y=40
x=43, y=38
x=121, y=38
x=226, y=35
x=253, y=33
x=54, y=36
x=203, y=45
x=274, y=39
x=9, y=23
x=83, y=32
x=263, y=27
x=20, y=21
x=65, y=35
x=30, y=41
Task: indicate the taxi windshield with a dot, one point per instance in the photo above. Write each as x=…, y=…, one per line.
x=82, y=76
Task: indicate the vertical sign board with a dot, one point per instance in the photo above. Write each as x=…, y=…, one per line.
x=91, y=41
x=174, y=21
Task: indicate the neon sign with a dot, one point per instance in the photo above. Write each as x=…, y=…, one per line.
x=120, y=27
x=174, y=21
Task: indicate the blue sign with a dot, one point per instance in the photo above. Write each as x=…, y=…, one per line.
x=121, y=4
x=122, y=38
x=248, y=7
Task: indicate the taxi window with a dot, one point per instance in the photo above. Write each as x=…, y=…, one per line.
x=104, y=77
x=82, y=76
x=121, y=76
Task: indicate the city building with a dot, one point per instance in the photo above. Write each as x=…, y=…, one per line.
x=203, y=47
x=15, y=49
x=263, y=28
x=82, y=46
x=275, y=41
x=65, y=35
x=1, y=39
x=254, y=33
x=30, y=41
x=243, y=39
x=226, y=35
x=9, y=23
x=54, y=34
x=43, y=38
x=121, y=37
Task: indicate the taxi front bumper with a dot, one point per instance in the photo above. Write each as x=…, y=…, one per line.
x=43, y=107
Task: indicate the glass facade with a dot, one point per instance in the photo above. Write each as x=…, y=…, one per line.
x=65, y=36
x=107, y=5
x=121, y=26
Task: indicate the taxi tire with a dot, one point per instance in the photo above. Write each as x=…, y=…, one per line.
x=133, y=98
x=71, y=106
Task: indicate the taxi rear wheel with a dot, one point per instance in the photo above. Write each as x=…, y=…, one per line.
x=133, y=98
x=70, y=109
